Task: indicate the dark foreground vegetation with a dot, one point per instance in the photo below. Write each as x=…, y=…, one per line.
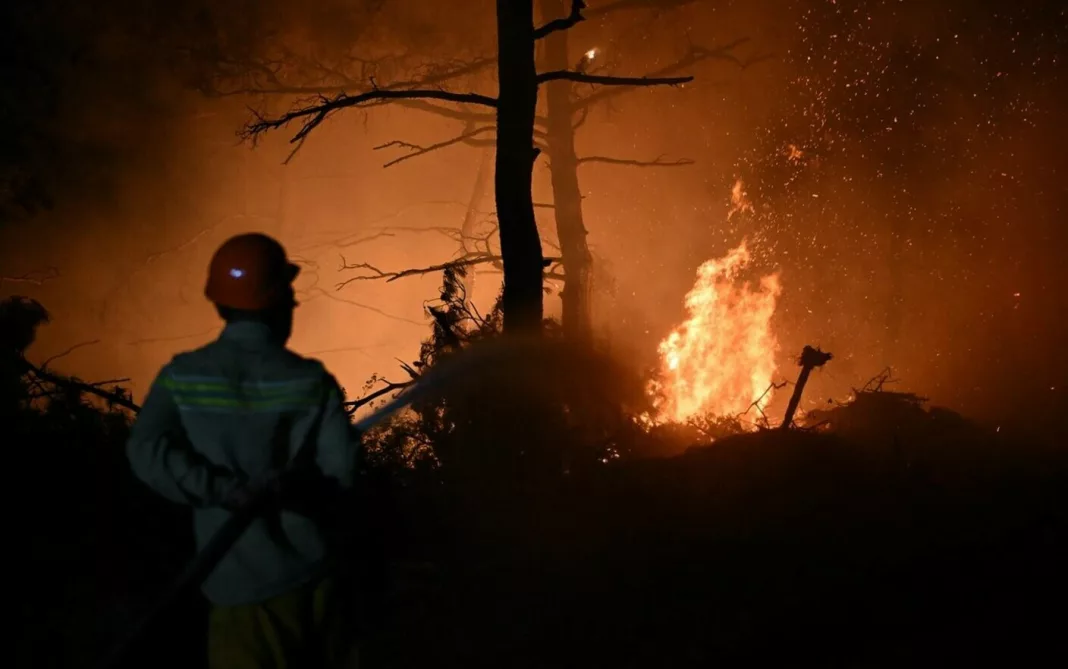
x=891, y=536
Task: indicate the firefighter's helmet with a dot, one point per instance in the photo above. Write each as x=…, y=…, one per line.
x=250, y=272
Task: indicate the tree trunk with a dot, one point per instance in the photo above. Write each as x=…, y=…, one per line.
x=567, y=196
x=513, y=180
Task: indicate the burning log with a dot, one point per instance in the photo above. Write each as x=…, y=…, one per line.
x=810, y=359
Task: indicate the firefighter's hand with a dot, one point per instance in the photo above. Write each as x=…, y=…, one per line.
x=254, y=493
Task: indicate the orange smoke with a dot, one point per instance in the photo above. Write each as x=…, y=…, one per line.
x=722, y=358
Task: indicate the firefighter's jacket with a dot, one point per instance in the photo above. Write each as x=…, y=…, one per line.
x=227, y=413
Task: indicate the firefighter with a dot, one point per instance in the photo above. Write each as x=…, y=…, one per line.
x=218, y=425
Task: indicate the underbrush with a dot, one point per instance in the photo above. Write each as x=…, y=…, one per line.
x=523, y=516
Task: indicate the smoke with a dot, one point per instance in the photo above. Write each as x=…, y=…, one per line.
x=915, y=222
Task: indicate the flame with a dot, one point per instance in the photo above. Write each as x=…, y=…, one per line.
x=721, y=360
x=591, y=54
x=739, y=200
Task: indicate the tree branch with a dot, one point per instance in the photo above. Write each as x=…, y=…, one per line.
x=659, y=161
x=417, y=150
x=115, y=397
x=458, y=114
x=466, y=260
x=605, y=80
x=693, y=56
x=70, y=350
x=556, y=25
x=391, y=386
x=312, y=116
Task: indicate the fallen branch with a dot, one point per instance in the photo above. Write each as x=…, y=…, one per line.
x=659, y=161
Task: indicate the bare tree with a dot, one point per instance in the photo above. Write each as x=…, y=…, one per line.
x=515, y=109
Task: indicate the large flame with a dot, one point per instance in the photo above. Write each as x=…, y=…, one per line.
x=722, y=358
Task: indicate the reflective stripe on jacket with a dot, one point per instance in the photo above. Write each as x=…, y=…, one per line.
x=229, y=412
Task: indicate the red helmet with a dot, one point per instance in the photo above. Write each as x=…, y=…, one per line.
x=250, y=272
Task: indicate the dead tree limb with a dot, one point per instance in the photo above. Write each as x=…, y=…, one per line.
x=809, y=360
x=418, y=150
x=695, y=55
x=114, y=397
x=659, y=161
x=311, y=116
x=467, y=260
x=390, y=387
x=756, y=403
x=569, y=21
x=608, y=80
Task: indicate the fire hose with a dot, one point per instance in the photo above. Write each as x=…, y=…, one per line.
x=484, y=355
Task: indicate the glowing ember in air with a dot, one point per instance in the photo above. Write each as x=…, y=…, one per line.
x=739, y=200
x=722, y=358
x=591, y=54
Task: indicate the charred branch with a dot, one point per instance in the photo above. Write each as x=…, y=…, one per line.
x=375, y=273
x=418, y=150
x=695, y=55
x=607, y=80
x=809, y=360
x=659, y=161
x=312, y=116
x=466, y=260
x=332, y=80
x=114, y=397
x=569, y=21
x=390, y=387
